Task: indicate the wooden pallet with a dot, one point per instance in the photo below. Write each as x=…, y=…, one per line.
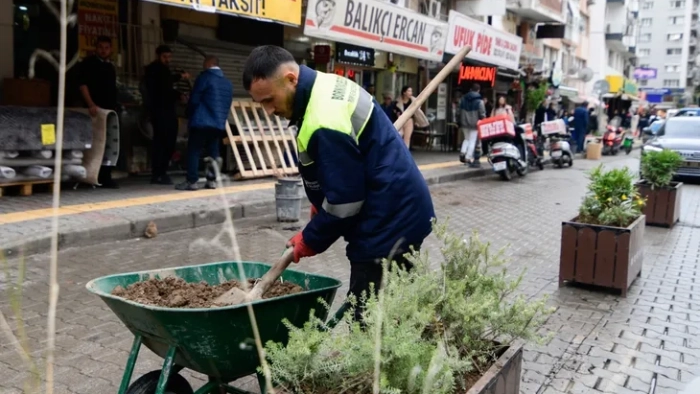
x=263, y=147
x=26, y=187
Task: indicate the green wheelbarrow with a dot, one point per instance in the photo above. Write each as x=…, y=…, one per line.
x=216, y=342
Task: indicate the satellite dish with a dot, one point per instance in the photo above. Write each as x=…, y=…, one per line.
x=586, y=74
x=601, y=87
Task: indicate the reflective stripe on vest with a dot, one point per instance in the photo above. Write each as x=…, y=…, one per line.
x=338, y=104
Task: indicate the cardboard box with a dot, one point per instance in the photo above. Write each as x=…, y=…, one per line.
x=594, y=150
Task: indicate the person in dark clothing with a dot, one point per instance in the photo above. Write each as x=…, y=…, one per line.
x=160, y=103
x=580, y=126
x=361, y=180
x=551, y=113
x=98, y=86
x=389, y=108
x=207, y=110
x=540, y=114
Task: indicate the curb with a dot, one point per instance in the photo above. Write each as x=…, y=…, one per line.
x=176, y=221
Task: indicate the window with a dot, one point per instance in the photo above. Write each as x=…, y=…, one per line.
x=643, y=66
x=676, y=20
x=678, y=129
x=643, y=82
x=646, y=21
x=644, y=52
x=678, y=4
x=646, y=37
x=672, y=83
x=673, y=68
x=611, y=59
x=674, y=36
x=674, y=51
x=647, y=5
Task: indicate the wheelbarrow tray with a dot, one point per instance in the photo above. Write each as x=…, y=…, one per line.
x=217, y=342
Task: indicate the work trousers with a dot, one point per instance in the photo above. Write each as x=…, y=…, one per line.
x=365, y=272
x=204, y=138
x=165, y=128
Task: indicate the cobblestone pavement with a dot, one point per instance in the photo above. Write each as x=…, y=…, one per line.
x=601, y=343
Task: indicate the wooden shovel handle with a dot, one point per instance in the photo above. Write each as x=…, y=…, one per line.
x=432, y=86
x=272, y=275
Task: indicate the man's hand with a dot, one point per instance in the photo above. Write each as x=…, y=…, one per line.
x=93, y=110
x=300, y=248
x=185, y=75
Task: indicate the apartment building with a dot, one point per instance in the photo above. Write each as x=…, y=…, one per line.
x=612, y=43
x=668, y=44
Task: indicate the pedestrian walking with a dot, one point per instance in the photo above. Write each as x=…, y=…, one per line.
x=361, y=180
x=472, y=110
x=207, y=110
x=98, y=87
x=580, y=126
x=161, y=98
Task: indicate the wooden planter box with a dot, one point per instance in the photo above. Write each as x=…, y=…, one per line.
x=504, y=376
x=663, y=207
x=603, y=256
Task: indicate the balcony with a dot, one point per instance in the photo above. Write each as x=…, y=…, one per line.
x=616, y=2
x=539, y=11
x=618, y=39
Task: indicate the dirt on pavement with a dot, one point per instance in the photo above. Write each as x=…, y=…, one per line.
x=176, y=293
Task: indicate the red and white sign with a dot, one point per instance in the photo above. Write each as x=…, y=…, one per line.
x=495, y=126
x=489, y=45
x=553, y=127
x=377, y=24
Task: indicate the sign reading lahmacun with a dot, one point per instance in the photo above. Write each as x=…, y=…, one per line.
x=489, y=45
x=642, y=73
x=376, y=24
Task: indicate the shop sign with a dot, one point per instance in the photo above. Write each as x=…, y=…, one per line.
x=97, y=18
x=376, y=24
x=441, y=102
x=284, y=11
x=489, y=45
x=353, y=54
x=643, y=73
x=629, y=87
x=476, y=74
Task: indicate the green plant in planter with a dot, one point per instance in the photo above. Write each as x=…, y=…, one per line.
x=658, y=167
x=612, y=198
x=436, y=328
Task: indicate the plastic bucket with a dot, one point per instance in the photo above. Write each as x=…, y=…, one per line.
x=288, y=199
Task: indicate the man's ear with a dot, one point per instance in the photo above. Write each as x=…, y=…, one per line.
x=291, y=77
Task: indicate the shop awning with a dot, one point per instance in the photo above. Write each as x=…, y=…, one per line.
x=568, y=92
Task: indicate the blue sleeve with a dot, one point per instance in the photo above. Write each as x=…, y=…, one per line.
x=196, y=93
x=341, y=176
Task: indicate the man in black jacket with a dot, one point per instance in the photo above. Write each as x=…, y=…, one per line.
x=98, y=87
x=160, y=103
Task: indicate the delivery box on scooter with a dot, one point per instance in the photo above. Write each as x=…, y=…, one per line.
x=554, y=127
x=495, y=126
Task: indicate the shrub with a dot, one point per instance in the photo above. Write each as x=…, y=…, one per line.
x=612, y=199
x=658, y=167
x=438, y=329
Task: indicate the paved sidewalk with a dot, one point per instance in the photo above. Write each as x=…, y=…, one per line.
x=602, y=343
x=93, y=216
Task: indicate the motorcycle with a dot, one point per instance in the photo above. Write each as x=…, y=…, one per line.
x=612, y=138
x=559, y=136
x=535, y=146
x=628, y=143
x=506, y=146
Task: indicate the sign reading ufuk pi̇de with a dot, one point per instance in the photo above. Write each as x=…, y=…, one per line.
x=377, y=25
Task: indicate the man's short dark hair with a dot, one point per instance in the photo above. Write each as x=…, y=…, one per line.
x=263, y=62
x=163, y=49
x=476, y=87
x=212, y=59
x=105, y=39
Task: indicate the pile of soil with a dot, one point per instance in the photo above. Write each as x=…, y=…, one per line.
x=176, y=293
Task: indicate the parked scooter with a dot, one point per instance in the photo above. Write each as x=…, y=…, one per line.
x=535, y=146
x=612, y=138
x=559, y=142
x=628, y=143
x=506, y=146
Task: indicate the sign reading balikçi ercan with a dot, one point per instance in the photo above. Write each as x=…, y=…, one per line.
x=489, y=45
x=377, y=25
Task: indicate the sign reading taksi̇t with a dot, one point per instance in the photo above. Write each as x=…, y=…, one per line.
x=377, y=25
x=489, y=45
x=476, y=74
x=285, y=11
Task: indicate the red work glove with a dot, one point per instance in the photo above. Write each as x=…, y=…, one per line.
x=300, y=248
x=314, y=211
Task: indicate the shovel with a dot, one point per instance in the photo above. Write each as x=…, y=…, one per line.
x=237, y=296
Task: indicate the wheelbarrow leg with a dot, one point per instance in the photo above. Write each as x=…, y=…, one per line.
x=130, y=363
x=168, y=365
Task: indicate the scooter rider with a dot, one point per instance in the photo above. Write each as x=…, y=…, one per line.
x=358, y=174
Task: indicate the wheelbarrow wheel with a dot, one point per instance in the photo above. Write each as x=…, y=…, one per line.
x=148, y=383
